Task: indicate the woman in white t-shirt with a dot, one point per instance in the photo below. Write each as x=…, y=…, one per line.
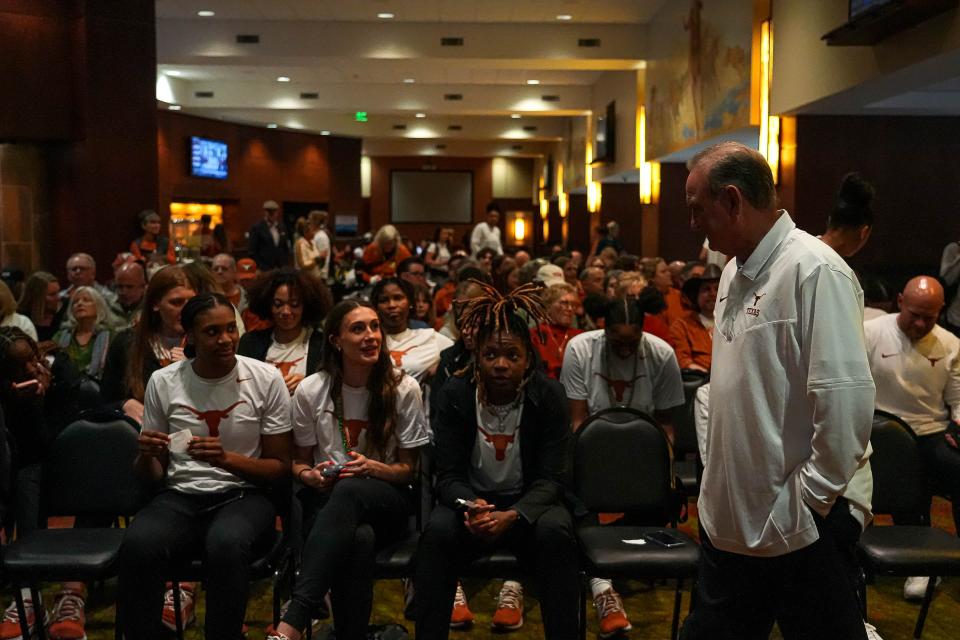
x=416, y=351
x=216, y=435
x=296, y=303
x=438, y=252
x=363, y=412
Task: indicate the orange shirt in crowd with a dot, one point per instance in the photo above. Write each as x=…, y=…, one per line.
x=253, y=322
x=551, y=351
x=375, y=264
x=692, y=342
x=140, y=246
x=657, y=326
x=443, y=299
x=675, y=309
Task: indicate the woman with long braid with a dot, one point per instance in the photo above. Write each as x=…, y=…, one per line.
x=500, y=436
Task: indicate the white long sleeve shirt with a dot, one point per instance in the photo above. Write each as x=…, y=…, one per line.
x=791, y=396
x=918, y=381
x=485, y=236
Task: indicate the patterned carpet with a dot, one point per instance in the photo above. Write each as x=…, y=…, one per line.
x=649, y=607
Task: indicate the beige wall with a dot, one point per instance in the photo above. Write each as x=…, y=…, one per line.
x=805, y=69
x=513, y=177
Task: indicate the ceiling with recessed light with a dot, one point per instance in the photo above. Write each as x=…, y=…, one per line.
x=467, y=66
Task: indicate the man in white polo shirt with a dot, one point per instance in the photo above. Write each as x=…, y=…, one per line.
x=916, y=368
x=791, y=409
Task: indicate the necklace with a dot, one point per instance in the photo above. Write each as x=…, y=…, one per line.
x=500, y=412
x=338, y=407
x=563, y=343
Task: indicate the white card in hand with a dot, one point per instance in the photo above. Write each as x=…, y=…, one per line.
x=178, y=441
x=635, y=541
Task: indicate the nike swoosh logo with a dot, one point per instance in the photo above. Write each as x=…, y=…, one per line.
x=243, y=379
x=888, y=355
x=723, y=298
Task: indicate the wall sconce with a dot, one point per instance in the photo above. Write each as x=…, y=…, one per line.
x=563, y=204
x=594, y=195
x=769, y=125
x=518, y=226
x=544, y=207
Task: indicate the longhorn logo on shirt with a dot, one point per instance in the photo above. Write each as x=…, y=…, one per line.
x=213, y=417
x=500, y=442
x=934, y=361
x=286, y=366
x=398, y=356
x=619, y=386
x=754, y=311
x=352, y=427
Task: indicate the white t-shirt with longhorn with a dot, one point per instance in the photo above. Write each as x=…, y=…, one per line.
x=417, y=351
x=495, y=464
x=290, y=357
x=249, y=402
x=918, y=381
x=649, y=381
x=315, y=421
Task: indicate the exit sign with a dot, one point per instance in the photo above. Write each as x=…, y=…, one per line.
x=361, y=116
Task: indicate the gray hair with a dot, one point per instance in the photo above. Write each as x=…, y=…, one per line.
x=732, y=163
x=105, y=318
x=85, y=256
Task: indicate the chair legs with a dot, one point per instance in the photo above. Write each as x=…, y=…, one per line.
x=925, y=607
x=177, y=615
x=677, y=601
x=583, y=611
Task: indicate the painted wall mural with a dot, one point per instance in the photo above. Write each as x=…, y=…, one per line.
x=698, y=78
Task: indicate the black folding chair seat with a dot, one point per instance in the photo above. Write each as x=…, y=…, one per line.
x=394, y=560
x=55, y=554
x=900, y=486
x=606, y=554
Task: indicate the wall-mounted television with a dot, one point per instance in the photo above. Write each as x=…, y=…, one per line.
x=208, y=158
x=605, y=135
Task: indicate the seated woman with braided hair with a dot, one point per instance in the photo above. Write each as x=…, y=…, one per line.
x=500, y=436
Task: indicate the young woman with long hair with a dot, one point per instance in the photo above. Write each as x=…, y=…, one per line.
x=361, y=409
x=500, y=439
x=41, y=303
x=156, y=341
x=216, y=438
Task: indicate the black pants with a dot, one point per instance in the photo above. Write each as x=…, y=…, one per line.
x=335, y=558
x=175, y=527
x=941, y=462
x=547, y=548
x=806, y=592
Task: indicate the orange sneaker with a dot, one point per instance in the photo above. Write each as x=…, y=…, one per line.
x=68, y=617
x=613, y=619
x=461, y=616
x=10, y=624
x=186, y=608
x=509, y=613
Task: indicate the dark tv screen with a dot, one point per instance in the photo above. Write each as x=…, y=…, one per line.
x=208, y=158
x=860, y=7
x=605, y=135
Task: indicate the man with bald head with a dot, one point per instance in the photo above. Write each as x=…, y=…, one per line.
x=791, y=406
x=521, y=258
x=130, y=283
x=916, y=368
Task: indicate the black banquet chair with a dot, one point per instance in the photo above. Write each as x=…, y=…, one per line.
x=87, y=473
x=900, y=487
x=623, y=462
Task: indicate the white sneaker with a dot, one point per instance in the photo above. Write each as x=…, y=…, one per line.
x=915, y=587
x=871, y=631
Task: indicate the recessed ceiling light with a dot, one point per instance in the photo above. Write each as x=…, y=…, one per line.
x=283, y=79
x=272, y=125
x=408, y=81
x=421, y=115
x=533, y=82
x=174, y=107
x=564, y=16
x=174, y=72
x=515, y=116
x=324, y=133
x=385, y=15
x=206, y=13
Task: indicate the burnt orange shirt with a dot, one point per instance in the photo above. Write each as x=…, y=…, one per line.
x=692, y=342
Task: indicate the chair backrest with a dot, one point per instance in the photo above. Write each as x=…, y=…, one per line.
x=89, y=469
x=900, y=484
x=88, y=393
x=684, y=426
x=623, y=462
